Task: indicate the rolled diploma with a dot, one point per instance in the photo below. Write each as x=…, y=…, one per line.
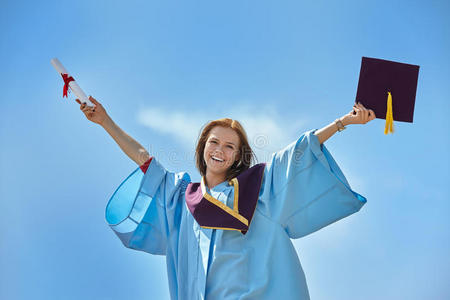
x=73, y=84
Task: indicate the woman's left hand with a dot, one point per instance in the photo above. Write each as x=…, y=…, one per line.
x=362, y=115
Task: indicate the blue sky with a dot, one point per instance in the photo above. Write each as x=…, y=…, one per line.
x=164, y=68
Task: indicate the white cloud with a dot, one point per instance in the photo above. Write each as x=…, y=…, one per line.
x=267, y=130
x=182, y=125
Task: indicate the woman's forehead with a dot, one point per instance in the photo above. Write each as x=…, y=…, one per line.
x=225, y=134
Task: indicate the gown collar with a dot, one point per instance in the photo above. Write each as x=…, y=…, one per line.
x=212, y=213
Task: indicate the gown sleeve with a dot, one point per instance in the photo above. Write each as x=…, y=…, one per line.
x=304, y=189
x=145, y=210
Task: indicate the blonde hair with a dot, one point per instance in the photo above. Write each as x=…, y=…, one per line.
x=246, y=155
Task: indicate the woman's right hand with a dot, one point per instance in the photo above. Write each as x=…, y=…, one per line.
x=96, y=113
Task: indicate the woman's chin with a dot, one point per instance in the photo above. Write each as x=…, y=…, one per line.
x=216, y=169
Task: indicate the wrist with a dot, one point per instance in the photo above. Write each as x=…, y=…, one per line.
x=345, y=120
x=107, y=122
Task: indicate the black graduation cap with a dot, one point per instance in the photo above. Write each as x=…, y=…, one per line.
x=389, y=89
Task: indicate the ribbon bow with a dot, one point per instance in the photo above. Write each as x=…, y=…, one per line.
x=66, y=79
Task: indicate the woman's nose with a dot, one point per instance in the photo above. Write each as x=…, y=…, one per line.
x=218, y=149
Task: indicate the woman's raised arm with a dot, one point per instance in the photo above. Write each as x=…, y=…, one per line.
x=362, y=116
x=130, y=146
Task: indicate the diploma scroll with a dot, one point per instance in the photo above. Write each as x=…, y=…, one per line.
x=70, y=82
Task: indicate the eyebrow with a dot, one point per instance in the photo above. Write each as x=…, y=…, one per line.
x=214, y=138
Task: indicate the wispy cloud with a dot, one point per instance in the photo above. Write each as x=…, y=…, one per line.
x=181, y=125
x=267, y=130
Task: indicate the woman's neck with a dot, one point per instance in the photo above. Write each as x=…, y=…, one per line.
x=213, y=179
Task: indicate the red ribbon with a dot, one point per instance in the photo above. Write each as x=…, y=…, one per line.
x=66, y=79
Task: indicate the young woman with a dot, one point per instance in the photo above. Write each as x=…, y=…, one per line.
x=229, y=236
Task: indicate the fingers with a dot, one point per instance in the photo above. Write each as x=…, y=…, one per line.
x=357, y=109
x=92, y=99
x=79, y=102
x=96, y=103
x=361, y=115
x=82, y=105
x=359, y=104
x=87, y=109
x=369, y=114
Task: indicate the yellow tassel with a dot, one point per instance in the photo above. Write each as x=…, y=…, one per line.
x=389, y=128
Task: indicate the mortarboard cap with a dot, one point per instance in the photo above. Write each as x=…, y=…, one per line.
x=389, y=89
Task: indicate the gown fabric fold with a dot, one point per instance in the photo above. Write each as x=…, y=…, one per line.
x=302, y=191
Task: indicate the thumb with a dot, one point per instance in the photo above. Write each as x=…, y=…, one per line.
x=78, y=100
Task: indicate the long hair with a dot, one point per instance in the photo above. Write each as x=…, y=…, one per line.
x=246, y=155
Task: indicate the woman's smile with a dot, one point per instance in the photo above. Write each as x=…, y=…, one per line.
x=216, y=159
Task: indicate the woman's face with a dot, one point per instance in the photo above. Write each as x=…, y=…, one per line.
x=221, y=149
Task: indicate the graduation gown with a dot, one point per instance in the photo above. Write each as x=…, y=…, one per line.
x=302, y=190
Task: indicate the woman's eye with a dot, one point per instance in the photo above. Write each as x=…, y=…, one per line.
x=214, y=142
x=231, y=147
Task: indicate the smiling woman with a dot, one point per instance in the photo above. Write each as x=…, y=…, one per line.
x=229, y=236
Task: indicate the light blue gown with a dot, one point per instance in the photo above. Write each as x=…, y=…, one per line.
x=303, y=190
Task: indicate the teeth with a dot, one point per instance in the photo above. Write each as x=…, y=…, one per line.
x=218, y=159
